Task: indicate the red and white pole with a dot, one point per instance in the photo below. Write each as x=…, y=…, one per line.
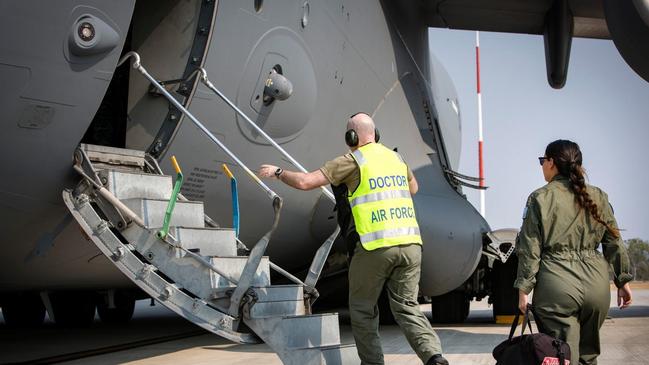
x=480, y=140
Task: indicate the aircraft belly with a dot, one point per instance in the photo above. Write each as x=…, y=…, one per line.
x=43, y=248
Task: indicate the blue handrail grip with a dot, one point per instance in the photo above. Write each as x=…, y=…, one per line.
x=235, y=206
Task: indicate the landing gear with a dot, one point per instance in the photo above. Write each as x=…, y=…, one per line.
x=503, y=294
x=73, y=309
x=23, y=310
x=122, y=311
x=451, y=307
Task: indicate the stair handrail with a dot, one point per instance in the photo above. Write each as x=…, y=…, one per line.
x=257, y=252
x=138, y=66
x=206, y=81
x=322, y=253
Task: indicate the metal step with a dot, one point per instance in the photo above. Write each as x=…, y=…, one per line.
x=277, y=301
x=199, y=280
x=152, y=211
x=128, y=185
x=206, y=241
x=305, y=340
x=315, y=330
x=233, y=266
x=190, y=272
x=290, y=333
x=103, y=156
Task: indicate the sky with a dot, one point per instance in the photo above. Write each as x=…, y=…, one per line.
x=604, y=107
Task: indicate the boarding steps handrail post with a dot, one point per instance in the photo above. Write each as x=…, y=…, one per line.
x=323, y=252
x=254, y=259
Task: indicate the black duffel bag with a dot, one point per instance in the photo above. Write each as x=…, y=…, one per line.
x=532, y=349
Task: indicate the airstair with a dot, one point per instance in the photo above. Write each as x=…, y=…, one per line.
x=169, y=248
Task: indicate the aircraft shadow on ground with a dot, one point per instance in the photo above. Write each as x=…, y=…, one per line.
x=462, y=342
x=28, y=344
x=631, y=312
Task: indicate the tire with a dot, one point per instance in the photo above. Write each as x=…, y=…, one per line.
x=123, y=311
x=73, y=309
x=23, y=310
x=452, y=307
x=503, y=294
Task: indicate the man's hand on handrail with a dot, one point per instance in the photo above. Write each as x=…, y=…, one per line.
x=298, y=180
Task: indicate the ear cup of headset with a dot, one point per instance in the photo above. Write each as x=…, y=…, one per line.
x=351, y=138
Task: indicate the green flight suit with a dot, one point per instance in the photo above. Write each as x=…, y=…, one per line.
x=558, y=258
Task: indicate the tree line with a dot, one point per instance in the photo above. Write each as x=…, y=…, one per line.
x=639, y=254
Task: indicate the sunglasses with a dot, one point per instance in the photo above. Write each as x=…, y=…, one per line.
x=542, y=160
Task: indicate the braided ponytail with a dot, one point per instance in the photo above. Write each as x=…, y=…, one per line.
x=567, y=157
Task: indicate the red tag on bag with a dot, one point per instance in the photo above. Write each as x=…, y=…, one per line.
x=552, y=361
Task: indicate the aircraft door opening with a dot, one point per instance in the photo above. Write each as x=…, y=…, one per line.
x=172, y=38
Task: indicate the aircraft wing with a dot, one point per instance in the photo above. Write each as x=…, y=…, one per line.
x=626, y=22
x=515, y=16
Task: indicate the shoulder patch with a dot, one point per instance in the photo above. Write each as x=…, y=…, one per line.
x=527, y=205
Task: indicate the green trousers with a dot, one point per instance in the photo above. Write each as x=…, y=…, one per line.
x=571, y=300
x=398, y=268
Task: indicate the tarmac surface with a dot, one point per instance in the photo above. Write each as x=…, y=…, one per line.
x=624, y=339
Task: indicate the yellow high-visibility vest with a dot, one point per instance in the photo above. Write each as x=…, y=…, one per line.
x=382, y=207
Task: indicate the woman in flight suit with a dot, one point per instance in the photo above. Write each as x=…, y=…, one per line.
x=563, y=224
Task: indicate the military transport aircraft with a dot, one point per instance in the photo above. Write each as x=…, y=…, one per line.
x=290, y=73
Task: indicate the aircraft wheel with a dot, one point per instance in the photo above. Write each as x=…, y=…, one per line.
x=452, y=307
x=503, y=294
x=23, y=310
x=123, y=311
x=73, y=309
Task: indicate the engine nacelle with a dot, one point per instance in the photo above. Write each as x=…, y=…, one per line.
x=628, y=23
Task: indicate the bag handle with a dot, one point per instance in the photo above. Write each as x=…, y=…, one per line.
x=562, y=355
x=529, y=311
x=526, y=321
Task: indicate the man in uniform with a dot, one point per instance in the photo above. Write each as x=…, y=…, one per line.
x=388, y=247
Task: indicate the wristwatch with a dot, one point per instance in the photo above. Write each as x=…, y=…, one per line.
x=278, y=172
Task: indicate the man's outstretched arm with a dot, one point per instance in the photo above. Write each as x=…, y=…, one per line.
x=298, y=180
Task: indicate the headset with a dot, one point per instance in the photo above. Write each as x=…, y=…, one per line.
x=351, y=137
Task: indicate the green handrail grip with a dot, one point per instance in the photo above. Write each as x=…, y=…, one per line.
x=162, y=234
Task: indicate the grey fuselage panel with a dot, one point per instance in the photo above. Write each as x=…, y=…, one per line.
x=51, y=92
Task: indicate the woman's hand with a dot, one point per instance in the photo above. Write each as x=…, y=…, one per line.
x=624, y=296
x=522, y=301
